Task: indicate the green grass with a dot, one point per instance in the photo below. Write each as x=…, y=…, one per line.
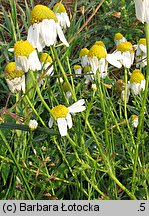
x=103, y=156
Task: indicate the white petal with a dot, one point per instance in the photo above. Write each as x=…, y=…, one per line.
x=62, y=126
x=113, y=59
x=22, y=62
x=48, y=31
x=33, y=61
x=94, y=64
x=77, y=106
x=61, y=35
x=50, y=123
x=69, y=120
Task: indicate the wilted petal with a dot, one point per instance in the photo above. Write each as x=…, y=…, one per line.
x=61, y=35
x=50, y=123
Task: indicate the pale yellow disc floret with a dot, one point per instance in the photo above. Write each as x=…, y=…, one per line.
x=11, y=71
x=125, y=46
x=59, y=8
x=97, y=51
x=45, y=58
x=59, y=111
x=83, y=52
x=118, y=36
x=136, y=76
x=142, y=41
x=23, y=48
x=41, y=12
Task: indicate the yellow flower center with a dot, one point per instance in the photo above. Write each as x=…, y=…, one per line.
x=11, y=71
x=45, y=58
x=23, y=48
x=118, y=36
x=83, y=52
x=134, y=117
x=99, y=43
x=76, y=67
x=59, y=111
x=97, y=51
x=41, y=12
x=125, y=46
x=66, y=87
x=59, y=8
x=136, y=76
x=142, y=41
x=87, y=69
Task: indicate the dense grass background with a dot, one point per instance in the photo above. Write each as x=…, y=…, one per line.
x=98, y=159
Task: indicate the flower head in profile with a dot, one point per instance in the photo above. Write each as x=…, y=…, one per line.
x=61, y=14
x=66, y=89
x=99, y=59
x=33, y=124
x=26, y=56
x=77, y=69
x=120, y=90
x=62, y=115
x=15, y=78
x=44, y=28
x=88, y=74
x=137, y=82
x=142, y=8
x=83, y=57
x=46, y=61
x=141, y=53
x=118, y=38
x=134, y=120
x=125, y=53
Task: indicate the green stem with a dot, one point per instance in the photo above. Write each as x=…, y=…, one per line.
x=40, y=95
x=141, y=119
x=108, y=165
x=28, y=190
x=64, y=74
x=103, y=109
x=31, y=105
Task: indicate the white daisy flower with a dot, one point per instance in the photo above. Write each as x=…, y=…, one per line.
x=135, y=120
x=61, y=14
x=118, y=38
x=44, y=28
x=141, y=53
x=15, y=78
x=142, y=8
x=62, y=115
x=83, y=57
x=33, y=124
x=99, y=59
x=26, y=56
x=137, y=82
x=77, y=70
x=125, y=54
